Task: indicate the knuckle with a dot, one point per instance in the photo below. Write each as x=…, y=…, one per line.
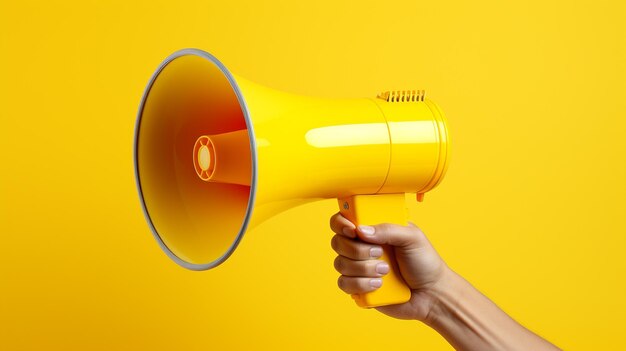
x=341, y=283
x=362, y=284
x=338, y=263
x=370, y=269
x=333, y=220
x=350, y=249
x=345, y=246
x=333, y=243
x=354, y=251
x=361, y=252
x=418, y=233
x=364, y=251
x=384, y=228
x=364, y=268
x=414, y=236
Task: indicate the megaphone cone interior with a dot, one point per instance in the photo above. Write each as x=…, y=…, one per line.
x=216, y=154
x=194, y=160
x=223, y=158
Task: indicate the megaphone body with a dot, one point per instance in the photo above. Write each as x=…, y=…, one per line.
x=215, y=155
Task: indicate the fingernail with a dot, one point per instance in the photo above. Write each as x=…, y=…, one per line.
x=382, y=268
x=366, y=229
x=376, y=252
x=376, y=282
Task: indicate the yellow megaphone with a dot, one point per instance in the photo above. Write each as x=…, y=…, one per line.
x=216, y=154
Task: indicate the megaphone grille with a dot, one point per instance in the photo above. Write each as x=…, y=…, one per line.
x=197, y=222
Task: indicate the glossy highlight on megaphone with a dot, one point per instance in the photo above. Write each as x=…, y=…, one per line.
x=216, y=154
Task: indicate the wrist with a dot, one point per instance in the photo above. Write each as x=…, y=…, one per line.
x=470, y=321
x=442, y=294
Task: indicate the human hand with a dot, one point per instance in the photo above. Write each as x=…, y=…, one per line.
x=439, y=297
x=361, y=271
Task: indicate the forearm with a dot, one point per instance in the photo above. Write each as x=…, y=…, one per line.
x=470, y=321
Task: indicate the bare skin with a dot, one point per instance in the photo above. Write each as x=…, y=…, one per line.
x=440, y=298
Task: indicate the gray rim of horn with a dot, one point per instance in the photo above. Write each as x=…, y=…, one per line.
x=246, y=113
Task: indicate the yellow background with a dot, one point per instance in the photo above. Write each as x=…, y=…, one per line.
x=531, y=211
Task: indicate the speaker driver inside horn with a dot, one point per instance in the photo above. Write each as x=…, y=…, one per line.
x=197, y=222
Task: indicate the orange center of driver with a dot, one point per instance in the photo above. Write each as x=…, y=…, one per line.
x=204, y=158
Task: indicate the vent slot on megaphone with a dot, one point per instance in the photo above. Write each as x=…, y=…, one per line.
x=402, y=95
x=216, y=154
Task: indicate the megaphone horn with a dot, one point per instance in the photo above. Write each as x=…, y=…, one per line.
x=216, y=154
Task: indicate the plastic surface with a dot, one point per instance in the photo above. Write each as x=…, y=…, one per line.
x=375, y=209
x=197, y=222
x=311, y=148
x=268, y=151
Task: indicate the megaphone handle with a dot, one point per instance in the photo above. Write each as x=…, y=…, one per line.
x=374, y=209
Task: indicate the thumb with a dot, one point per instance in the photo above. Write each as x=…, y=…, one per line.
x=392, y=234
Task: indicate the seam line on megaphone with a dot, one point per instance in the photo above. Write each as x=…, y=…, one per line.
x=388, y=136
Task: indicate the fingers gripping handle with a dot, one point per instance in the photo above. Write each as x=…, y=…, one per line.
x=374, y=209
